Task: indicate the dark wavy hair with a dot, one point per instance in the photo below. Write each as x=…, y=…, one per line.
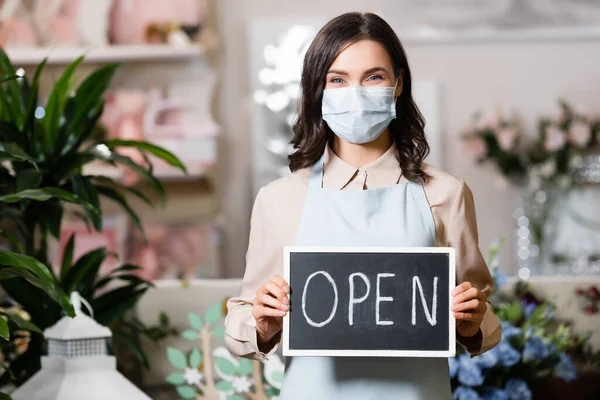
x=311, y=133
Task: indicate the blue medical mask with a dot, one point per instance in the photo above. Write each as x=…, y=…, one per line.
x=359, y=114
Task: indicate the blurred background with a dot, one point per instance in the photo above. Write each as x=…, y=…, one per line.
x=510, y=92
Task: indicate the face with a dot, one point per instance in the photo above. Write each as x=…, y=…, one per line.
x=363, y=63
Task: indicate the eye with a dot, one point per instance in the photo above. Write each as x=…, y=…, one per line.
x=336, y=80
x=375, y=78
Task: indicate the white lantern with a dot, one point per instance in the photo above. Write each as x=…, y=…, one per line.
x=78, y=366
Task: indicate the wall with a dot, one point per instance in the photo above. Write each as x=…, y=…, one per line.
x=527, y=77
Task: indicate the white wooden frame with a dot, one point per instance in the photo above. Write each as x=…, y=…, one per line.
x=450, y=352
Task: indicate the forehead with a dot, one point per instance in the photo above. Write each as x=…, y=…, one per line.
x=361, y=56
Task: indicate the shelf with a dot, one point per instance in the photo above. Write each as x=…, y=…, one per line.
x=130, y=53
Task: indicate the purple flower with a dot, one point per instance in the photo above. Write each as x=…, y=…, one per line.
x=565, y=368
x=489, y=359
x=508, y=355
x=517, y=389
x=465, y=393
x=509, y=330
x=535, y=350
x=494, y=393
x=453, y=365
x=528, y=308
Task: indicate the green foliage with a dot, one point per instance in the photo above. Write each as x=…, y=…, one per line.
x=46, y=158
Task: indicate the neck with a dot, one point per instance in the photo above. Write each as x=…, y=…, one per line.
x=359, y=155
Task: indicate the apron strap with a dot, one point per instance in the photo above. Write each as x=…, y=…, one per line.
x=316, y=175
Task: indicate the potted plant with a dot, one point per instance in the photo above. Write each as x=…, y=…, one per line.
x=48, y=149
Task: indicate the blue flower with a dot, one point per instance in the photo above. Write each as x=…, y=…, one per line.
x=499, y=277
x=517, y=389
x=528, y=308
x=465, y=393
x=508, y=355
x=565, y=368
x=453, y=365
x=535, y=350
x=509, y=330
x=489, y=359
x=469, y=373
x=494, y=393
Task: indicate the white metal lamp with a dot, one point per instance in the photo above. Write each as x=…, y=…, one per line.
x=78, y=366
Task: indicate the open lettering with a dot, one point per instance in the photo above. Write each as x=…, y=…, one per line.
x=360, y=296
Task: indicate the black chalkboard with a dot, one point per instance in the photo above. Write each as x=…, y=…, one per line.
x=359, y=302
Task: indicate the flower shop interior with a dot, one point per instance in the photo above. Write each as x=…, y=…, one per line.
x=135, y=136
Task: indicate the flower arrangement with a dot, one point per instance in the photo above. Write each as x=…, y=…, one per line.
x=589, y=299
x=533, y=345
x=549, y=158
x=213, y=373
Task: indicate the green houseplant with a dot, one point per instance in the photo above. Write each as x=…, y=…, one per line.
x=47, y=157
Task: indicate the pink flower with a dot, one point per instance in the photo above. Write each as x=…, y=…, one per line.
x=555, y=139
x=476, y=147
x=580, y=134
x=559, y=114
x=506, y=138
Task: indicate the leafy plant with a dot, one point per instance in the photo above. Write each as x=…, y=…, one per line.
x=46, y=150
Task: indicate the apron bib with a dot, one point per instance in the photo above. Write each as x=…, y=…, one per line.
x=397, y=215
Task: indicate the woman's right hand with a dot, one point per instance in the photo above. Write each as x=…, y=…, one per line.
x=269, y=306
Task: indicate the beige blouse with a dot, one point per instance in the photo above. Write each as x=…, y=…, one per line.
x=276, y=217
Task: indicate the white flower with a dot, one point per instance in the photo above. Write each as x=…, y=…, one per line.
x=555, y=139
x=506, y=138
x=241, y=384
x=192, y=376
x=548, y=168
x=580, y=134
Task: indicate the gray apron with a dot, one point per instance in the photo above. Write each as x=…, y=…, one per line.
x=397, y=215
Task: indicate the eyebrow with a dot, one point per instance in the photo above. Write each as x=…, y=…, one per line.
x=369, y=71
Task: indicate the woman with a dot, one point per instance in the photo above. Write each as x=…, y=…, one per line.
x=358, y=129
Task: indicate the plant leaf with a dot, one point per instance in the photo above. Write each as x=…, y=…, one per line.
x=85, y=189
x=277, y=376
x=143, y=173
x=245, y=367
x=120, y=200
x=82, y=275
x=225, y=366
x=114, y=304
x=213, y=314
x=30, y=129
x=235, y=397
x=195, y=320
x=12, y=151
x=56, y=105
x=16, y=103
x=190, y=335
x=133, y=345
x=4, y=332
x=195, y=358
x=88, y=98
x=187, y=392
x=176, y=358
x=4, y=396
x=224, y=386
x=105, y=181
x=175, y=378
x=28, y=179
x=156, y=151
x=67, y=258
x=218, y=332
x=50, y=215
x=22, y=323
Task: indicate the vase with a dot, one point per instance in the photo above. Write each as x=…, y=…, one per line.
x=572, y=229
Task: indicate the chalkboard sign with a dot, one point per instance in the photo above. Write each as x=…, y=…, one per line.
x=369, y=302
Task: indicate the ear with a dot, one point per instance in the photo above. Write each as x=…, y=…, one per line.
x=399, y=85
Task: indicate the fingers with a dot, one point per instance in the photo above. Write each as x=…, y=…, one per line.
x=279, y=281
x=276, y=287
x=259, y=312
x=467, y=293
x=470, y=305
x=468, y=316
x=463, y=287
x=270, y=301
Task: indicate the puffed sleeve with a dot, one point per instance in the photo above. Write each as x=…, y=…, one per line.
x=263, y=259
x=471, y=267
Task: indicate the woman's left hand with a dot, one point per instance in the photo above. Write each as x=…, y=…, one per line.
x=469, y=307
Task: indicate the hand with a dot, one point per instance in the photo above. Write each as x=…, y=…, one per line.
x=469, y=307
x=269, y=306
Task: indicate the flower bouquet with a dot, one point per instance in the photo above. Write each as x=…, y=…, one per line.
x=533, y=345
